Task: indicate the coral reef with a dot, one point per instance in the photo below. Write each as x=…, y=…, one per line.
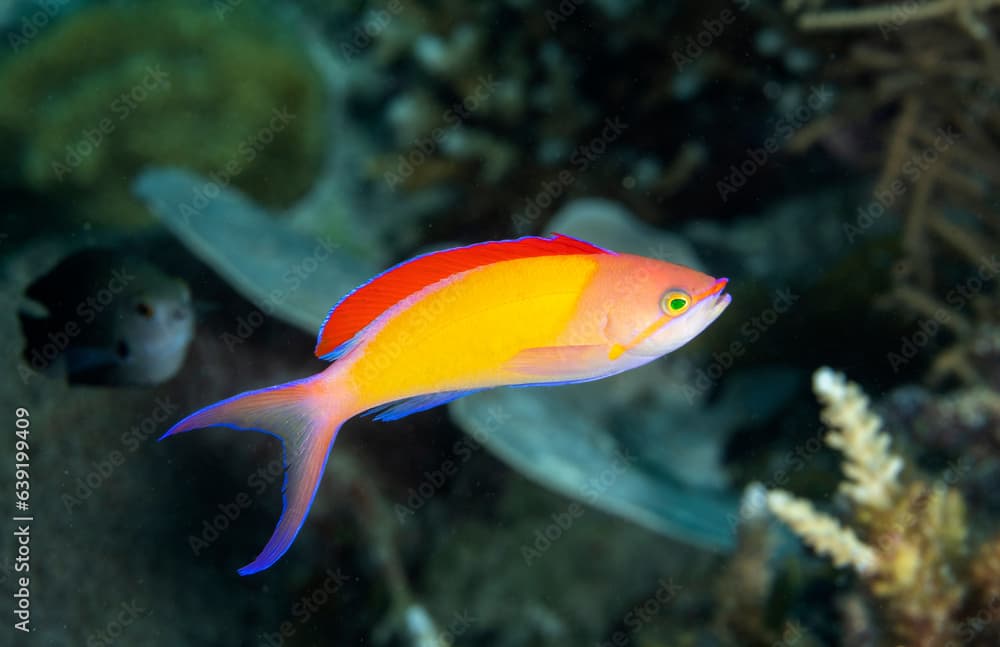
x=727, y=135
x=505, y=574
x=746, y=584
x=909, y=541
x=954, y=433
x=825, y=534
x=112, y=88
x=870, y=468
x=495, y=102
x=940, y=163
x=284, y=272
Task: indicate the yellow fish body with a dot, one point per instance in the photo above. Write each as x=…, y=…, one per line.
x=531, y=311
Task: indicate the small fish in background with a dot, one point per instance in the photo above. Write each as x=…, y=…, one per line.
x=527, y=312
x=106, y=318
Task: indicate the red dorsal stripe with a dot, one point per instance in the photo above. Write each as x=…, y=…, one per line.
x=361, y=306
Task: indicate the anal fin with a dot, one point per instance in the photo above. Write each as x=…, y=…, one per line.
x=402, y=408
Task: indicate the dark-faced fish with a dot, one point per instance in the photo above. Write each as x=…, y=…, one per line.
x=106, y=318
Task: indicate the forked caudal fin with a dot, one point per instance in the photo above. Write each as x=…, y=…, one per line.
x=303, y=419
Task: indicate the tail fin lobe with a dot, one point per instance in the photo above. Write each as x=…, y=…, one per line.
x=305, y=422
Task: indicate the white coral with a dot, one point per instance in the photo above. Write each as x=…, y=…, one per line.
x=871, y=472
x=871, y=469
x=822, y=532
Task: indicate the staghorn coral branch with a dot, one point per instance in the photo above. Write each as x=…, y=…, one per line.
x=923, y=303
x=822, y=532
x=972, y=152
x=899, y=144
x=876, y=58
x=914, y=548
x=813, y=132
x=914, y=230
x=953, y=361
x=870, y=468
x=953, y=181
x=870, y=17
x=963, y=242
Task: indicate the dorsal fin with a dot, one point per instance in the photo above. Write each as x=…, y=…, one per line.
x=366, y=302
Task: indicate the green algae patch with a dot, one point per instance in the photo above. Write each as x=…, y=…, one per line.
x=112, y=89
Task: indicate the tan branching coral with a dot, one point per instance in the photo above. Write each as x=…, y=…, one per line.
x=985, y=572
x=930, y=69
x=822, y=532
x=747, y=590
x=908, y=539
x=872, y=471
x=966, y=12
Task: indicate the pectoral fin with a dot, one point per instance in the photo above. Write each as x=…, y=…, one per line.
x=562, y=364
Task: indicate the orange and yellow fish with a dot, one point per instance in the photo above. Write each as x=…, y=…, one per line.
x=527, y=312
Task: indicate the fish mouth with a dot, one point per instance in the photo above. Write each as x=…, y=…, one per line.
x=714, y=290
x=714, y=297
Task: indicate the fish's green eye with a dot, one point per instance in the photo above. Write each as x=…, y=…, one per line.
x=675, y=302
